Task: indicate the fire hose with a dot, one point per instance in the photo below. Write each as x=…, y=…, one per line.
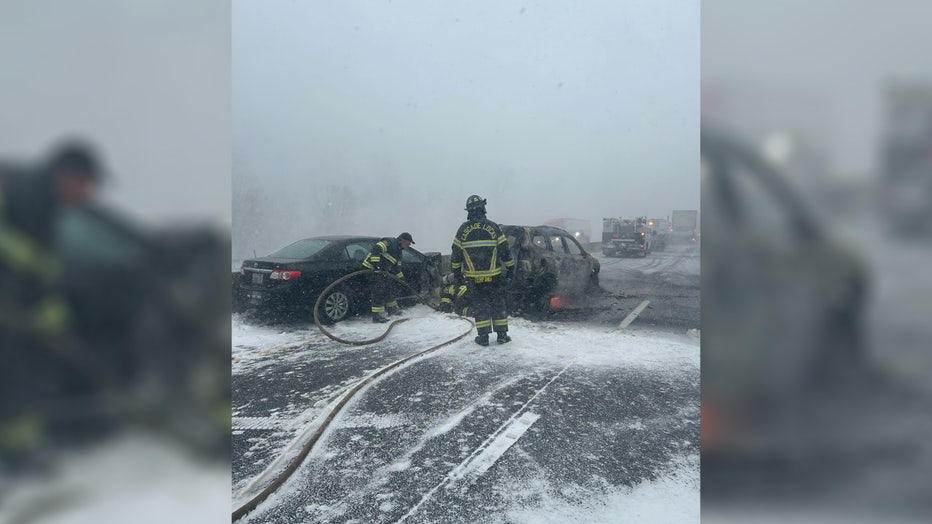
x=282, y=477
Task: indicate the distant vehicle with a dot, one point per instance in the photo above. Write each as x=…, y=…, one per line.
x=906, y=161
x=579, y=228
x=684, y=226
x=552, y=269
x=659, y=231
x=625, y=237
x=292, y=278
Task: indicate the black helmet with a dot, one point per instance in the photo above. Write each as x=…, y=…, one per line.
x=474, y=202
x=406, y=236
x=78, y=156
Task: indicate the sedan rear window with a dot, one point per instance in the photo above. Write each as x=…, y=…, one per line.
x=301, y=249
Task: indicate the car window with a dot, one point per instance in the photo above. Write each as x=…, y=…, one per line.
x=301, y=249
x=540, y=242
x=85, y=237
x=557, y=242
x=411, y=257
x=572, y=246
x=356, y=251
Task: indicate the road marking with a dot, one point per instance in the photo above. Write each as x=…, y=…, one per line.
x=484, y=460
x=479, y=461
x=257, y=423
x=633, y=315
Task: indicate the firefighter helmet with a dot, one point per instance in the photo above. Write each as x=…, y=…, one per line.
x=474, y=202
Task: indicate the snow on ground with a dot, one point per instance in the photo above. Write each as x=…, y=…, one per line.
x=673, y=496
x=135, y=477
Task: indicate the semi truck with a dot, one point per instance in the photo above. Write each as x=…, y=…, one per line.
x=685, y=225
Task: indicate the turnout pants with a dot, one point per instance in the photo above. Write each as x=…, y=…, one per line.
x=488, y=307
x=382, y=293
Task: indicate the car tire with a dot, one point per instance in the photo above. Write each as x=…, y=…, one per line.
x=335, y=306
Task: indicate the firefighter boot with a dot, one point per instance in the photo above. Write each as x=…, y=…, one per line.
x=378, y=318
x=503, y=337
x=393, y=311
x=483, y=339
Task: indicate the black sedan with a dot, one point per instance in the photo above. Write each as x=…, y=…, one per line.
x=292, y=278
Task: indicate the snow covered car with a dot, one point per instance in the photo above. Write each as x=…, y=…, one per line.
x=552, y=269
x=292, y=278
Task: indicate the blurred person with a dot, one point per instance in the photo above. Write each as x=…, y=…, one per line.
x=480, y=252
x=45, y=361
x=386, y=256
x=454, y=298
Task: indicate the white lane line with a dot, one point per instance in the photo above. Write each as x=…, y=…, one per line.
x=496, y=448
x=467, y=464
x=633, y=315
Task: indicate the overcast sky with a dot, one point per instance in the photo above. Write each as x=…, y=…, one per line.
x=147, y=82
x=381, y=116
x=836, y=53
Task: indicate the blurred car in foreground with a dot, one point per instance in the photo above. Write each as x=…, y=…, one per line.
x=292, y=278
x=552, y=269
x=149, y=305
x=783, y=306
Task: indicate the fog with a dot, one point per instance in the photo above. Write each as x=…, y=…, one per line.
x=147, y=83
x=381, y=117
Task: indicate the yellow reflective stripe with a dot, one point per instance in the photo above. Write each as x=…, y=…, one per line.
x=365, y=263
x=390, y=258
x=393, y=303
x=484, y=323
x=383, y=245
x=456, y=242
x=400, y=275
x=25, y=255
x=465, y=311
x=500, y=322
x=461, y=292
x=510, y=263
x=445, y=299
x=455, y=265
x=469, y=264
x=502, y=239
x=479, y=243
x=378, y=309
x=490, y=273
x=375, y=258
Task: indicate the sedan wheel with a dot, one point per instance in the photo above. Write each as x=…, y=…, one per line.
x=334, y=307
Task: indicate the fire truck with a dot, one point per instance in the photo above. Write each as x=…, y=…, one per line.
x=625, y=237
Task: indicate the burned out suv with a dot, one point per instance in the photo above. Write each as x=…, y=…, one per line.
x=552, y=270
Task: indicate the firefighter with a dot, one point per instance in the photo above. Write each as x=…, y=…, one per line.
x=386, y=256
x=455, y=299
x=480, y=255
x=36, y=331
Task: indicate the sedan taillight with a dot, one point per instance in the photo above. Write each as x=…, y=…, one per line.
x=284, y=275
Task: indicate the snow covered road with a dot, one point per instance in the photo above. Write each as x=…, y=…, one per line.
x=567, y=422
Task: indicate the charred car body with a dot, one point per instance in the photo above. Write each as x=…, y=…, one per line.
x=625, y=237
x=552, y=269
x=291, y=279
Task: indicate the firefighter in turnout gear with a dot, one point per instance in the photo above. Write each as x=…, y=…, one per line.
x=386, y=256
x=455, y=299
x=37, y=336
x=482, y=260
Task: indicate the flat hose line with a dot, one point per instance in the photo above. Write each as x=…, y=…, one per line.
x=305, y=451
